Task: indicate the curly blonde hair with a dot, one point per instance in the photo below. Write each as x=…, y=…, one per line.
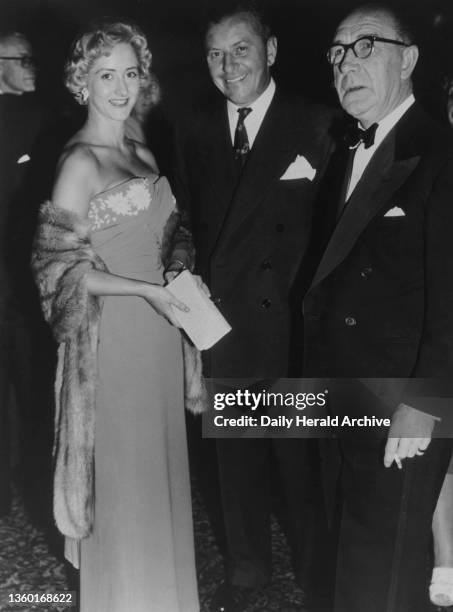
x=93, y=43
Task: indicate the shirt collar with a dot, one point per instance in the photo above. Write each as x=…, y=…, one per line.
x=259, y=106
x=386, y=124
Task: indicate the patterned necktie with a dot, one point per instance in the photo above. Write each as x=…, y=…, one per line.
x=241, y=145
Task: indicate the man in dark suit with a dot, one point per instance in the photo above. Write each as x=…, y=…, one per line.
x=381, y=306
x=247, y=174
x=22, y=118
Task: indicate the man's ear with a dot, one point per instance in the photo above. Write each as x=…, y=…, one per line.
x=271, y=48
x=410, y=58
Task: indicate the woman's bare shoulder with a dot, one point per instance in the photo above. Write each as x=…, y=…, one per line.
x=77, y=177
x=79, y=155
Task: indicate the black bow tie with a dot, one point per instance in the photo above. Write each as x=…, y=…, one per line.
x=355, y=135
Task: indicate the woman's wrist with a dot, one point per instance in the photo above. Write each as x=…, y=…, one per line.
x=176, y=265
x=146, y=290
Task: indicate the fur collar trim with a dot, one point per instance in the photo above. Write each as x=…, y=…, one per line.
x=62, y=256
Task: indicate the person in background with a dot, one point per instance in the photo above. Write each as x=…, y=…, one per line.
x=17, y=64
x=148, y=97
x=149, y=124
x=441, y=587
x=105, y=241
x=22, y=120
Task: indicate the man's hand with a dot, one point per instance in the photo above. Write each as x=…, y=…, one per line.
x=201, y=285
x=409, y=435
x=170, y=275
x=174, y=268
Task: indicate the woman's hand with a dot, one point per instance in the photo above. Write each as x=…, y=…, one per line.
x=163, y=302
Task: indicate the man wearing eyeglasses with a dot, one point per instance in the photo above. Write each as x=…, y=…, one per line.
x=17, y=68
x=380, y=305
x=22, y=117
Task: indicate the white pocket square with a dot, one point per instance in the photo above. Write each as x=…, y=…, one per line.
x=23, y=159
x=396, y=211
x=299, y=169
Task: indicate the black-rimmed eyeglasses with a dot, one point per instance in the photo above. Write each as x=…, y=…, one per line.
x=362, y=48
x=26, y=61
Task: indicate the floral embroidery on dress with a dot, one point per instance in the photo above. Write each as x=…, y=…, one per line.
x=125, y=200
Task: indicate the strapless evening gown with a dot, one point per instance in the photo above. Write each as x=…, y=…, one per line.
x=140, y=556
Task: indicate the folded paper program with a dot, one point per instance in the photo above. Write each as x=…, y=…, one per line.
x=203, y=323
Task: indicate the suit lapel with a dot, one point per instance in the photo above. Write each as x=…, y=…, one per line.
x=219, y=171
x=385, y=174
x=271, y=154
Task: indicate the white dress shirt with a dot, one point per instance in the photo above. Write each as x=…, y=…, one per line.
x=362, y=156
x=254, y=119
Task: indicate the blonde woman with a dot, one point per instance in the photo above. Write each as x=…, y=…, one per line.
x=105, y=242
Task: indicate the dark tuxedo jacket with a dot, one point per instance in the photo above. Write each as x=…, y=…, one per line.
x=381, y=300
x=29, y=149
x=21, y=119
x=250, y=236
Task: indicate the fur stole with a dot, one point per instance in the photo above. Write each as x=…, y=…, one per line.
x=62, y=256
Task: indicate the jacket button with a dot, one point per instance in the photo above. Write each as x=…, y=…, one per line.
x=266, y=303
x=217, y=300
x=266, y=265
x=366, y=273
x=350, y=321
x=279, y=227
